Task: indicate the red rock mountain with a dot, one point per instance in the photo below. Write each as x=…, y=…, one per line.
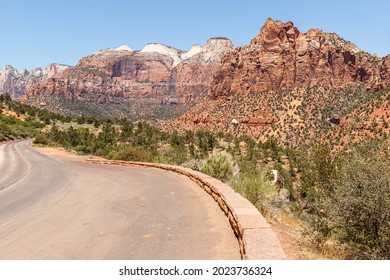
x=281, y=57
x=285, y=80
x=157, y=74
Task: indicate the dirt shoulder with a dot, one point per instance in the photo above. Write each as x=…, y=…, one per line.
x=59, y=152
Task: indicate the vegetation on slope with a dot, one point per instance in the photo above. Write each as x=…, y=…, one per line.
x=133, y=110
x=347, y=198
x=12, y=125
x=296, y=117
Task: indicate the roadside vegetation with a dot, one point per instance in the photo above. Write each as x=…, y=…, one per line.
x=13, y=125
x=338, y=199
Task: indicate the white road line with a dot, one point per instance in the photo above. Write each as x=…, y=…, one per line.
x=29, y=167
x=7, y=222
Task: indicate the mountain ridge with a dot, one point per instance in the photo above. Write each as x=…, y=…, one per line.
x=156, y=75
x=15, y=83
x=285, y=81
x=281, y=57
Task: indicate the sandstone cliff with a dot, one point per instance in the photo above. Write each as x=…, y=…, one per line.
x=157, y=74
x=193, y=76
x=15, y=83
x=281, y=57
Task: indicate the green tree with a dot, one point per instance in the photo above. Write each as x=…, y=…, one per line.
x=355, y=209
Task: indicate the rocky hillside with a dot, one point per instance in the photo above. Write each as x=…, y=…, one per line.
x=15, y=83
x=295, y=117
x=154, y=78
x=292, y=86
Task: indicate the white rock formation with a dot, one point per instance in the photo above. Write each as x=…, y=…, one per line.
x=124, y=48
x=175, y=54
x=195, y=49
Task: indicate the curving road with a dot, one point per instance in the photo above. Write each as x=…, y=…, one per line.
x=55, y=206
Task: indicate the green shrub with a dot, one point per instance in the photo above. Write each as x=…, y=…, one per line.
x=131, y=154
x=219, y=166
x=355, y=208
x=41, y=139
x=175, y=155
x=255, y=187
x=361, y=205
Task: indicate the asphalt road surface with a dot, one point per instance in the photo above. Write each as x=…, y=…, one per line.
x=53, y=205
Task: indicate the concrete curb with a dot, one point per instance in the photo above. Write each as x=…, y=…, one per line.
x=256, y=239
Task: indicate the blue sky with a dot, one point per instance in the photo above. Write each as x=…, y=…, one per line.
x=37, y=33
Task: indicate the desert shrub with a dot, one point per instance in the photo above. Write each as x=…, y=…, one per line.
x=219, y=166
x=355, y=208
x=361, y=203
x=131, y=154
x=175, y=155
x=41, y=138
x=255, y=187
x=194, y=164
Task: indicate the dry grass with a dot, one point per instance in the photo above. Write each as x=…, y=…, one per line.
x=297, y=246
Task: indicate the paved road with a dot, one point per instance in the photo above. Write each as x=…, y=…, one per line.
x=55, y=206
